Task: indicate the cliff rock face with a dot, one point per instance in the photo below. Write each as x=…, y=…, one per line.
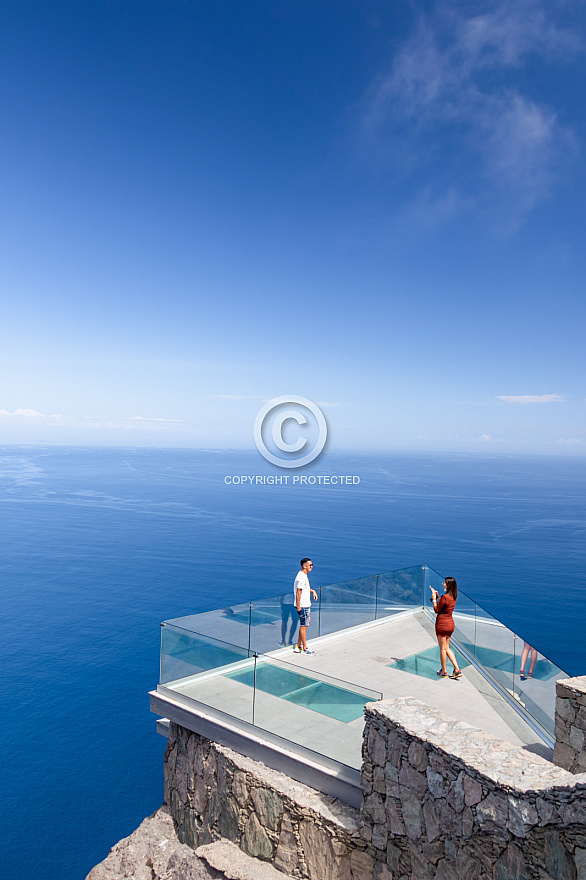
x=153, y=852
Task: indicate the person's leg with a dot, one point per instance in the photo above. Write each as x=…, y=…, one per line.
x=442, y=642
x=301, y=643
x=533, y=661
x=451, y=655
x=524, y=655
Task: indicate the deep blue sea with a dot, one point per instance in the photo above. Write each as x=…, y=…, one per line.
x=100, y=545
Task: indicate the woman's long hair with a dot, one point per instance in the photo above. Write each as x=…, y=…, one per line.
x=451, y=587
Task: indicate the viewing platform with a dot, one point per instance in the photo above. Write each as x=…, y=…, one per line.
x=224, y=676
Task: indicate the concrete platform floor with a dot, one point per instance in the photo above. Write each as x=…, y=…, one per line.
x=363, y=658
x=360, y=658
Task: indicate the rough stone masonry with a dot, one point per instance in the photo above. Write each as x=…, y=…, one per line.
x=215, y=792
x=441, y=801
x=570, y=724
x=445, y=801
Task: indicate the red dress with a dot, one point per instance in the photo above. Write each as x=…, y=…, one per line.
x=444, y=622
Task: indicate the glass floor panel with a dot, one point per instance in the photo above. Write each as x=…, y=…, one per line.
x=426, y=663
x=327, y=699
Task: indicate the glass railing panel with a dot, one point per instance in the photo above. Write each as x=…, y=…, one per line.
x=534, y=683
x=198, y=670
x=312, y=710
x=275, y=623
x=400, y=590
x=265, y=624
x=344, y=605
x=494, y=647
x=464, y=615
x=509, y=659
x=302, y=706
x=185, y=654
x=229, y=624
x=432, y=580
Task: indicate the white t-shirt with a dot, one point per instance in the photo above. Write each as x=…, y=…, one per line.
x=302, y=583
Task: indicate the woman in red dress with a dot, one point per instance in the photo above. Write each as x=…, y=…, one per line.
x=444, y=625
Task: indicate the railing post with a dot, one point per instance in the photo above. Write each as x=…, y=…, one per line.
x=161, y=657
x=254, y=687
x=424, y=569
x=376, y=598
x=319, y=614
x=249, y=625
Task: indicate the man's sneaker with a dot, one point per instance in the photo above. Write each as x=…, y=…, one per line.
x=307, y=651
x=282, y=644
x=297, y=649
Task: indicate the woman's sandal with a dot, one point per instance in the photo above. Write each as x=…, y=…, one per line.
x=457, y=673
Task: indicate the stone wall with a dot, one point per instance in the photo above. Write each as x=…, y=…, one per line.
x=214, y=792
x=570, y=724
x=444, y=801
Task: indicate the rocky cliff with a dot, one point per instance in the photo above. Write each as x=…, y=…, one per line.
x=153, y=852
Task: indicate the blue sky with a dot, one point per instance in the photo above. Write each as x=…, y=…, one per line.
x=377, y=206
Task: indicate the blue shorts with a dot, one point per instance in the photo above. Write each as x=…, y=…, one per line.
x=304, y=616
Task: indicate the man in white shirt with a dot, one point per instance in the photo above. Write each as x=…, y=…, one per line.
x=303, y=593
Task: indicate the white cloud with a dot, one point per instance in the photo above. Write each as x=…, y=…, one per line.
x=29, y=414
x=142, y=419
x=521, y=146
x=119, y=419
x=531, y=398
x=573, y=441
x=503, y=36
x=428, y=209
x=486, y=438
x=34, y=414
x=237, y=397
x=450, y=97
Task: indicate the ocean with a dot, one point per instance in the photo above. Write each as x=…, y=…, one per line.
x=100, y=545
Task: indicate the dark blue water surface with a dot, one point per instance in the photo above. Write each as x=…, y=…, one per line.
x=100, y=545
